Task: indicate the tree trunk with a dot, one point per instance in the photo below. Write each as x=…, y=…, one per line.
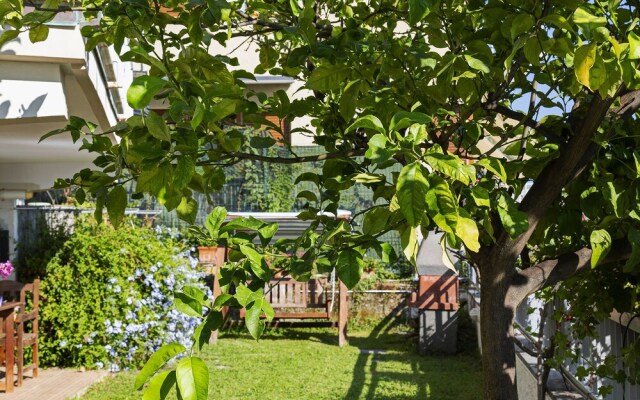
x=497, y=312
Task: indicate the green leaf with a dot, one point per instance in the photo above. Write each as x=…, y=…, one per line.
x=157, y=127
x=307, y=195
x=308, y=177
x=480, y=196
x=255, y=325
x=142, y=90
x=452, y=166
x=156, y=361
x=214, y=221
x=443, y=207
x=520, y=24
x=268, y=57
x=224, y=108
x=349, y=267
x=38, y=33
x=409, y=243
x=600, y=246
x=446, y=260
x=212, y=322
x=634, y=46
x=418, y=9
x=245, y=296
x=116, y=204
x=222, y=300
x=532, y=51
x=160, y=385
x=7, y=36
x=477, y=64
x=196, y=294
x=587, y=21
x=375, y=220
x=558, y=21
x=403, y=119
x=514, y=221
x=262, y=142
x=411, y=189
x=369, y=178
x=467, y=230
x=370, y=122
x=192, y=376
x=328, y=77
x=377, y=151
x=258, y=264
x=267, y=232
x=583, y=60
x=185, y=168
x=349, y=99
x=187, y=210
x=494, y=165
x=187, y=304
x=198, y=116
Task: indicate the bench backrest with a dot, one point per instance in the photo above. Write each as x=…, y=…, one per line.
x=289, y=293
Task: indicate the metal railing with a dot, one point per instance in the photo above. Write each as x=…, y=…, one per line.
x=612, y=335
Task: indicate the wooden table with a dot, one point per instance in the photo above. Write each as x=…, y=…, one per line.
x=6, y=323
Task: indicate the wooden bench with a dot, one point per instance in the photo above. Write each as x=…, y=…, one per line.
x=291, y=299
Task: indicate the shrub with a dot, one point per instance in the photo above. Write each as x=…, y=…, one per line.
x=107, y=299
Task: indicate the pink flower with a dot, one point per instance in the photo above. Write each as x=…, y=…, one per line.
x=6, y=268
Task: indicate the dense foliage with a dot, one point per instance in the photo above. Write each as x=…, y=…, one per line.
x=425, y=86
x=107, y=300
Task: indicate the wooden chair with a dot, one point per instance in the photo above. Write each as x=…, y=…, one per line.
x=16, y=291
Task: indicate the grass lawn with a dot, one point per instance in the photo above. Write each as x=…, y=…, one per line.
x=308, y=364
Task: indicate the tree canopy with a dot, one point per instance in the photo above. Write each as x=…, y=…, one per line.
x=470, y=99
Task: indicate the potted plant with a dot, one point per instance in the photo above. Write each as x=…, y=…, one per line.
x=210, y=250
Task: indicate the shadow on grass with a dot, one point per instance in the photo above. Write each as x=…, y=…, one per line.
x=427, y=374
x=381, y=351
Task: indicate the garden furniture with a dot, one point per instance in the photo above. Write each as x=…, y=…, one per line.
x=7, y=341
x=26, y=295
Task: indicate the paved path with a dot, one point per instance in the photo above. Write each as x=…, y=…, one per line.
x=54, y=384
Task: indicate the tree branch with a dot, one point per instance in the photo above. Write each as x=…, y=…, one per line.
x=288, y=160
x=553, y=178
x=550, y=272
x=523, y=119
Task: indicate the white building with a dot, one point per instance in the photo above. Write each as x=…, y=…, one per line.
x=41, y=85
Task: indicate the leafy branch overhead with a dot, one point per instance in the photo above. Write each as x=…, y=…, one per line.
x=433, y=89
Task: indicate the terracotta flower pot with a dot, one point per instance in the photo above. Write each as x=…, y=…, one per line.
x=212, y=255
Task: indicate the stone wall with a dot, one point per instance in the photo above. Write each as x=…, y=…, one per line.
x=367, y=305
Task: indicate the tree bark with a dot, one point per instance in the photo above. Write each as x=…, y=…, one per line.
x=497, y=312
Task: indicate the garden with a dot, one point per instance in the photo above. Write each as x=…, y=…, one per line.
x=379, y=363
x=108, y=304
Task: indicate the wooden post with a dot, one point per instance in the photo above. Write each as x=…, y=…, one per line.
x=216, y=292
x=213, y=262
x=343, y=315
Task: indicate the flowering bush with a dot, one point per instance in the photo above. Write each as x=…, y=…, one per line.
x=6, y=268
x=108, y=298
